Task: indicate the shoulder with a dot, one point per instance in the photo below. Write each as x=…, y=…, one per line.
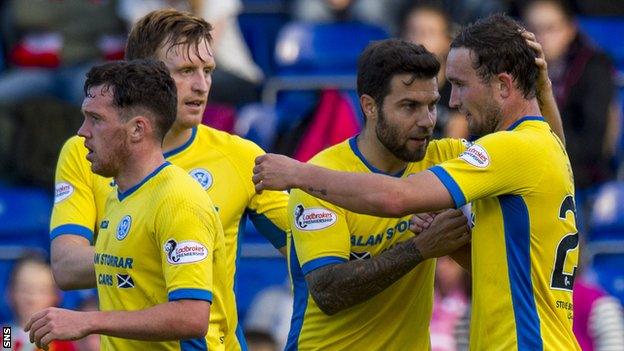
x=336, y=157
x=74, y=148
x=228, y=143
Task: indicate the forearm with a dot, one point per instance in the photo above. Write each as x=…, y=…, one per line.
x=176, y=320
x=550, y=111
x=341, y=286
x=72, y=262
x=345, y=189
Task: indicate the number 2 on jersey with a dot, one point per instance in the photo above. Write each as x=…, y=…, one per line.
x=561, y=280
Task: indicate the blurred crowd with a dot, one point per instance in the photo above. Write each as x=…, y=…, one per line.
x=47, y=46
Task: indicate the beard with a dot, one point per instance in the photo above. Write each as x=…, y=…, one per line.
x=492, y=114
x=107, y=163
x=390, y=137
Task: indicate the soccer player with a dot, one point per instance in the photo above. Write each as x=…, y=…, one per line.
x=160, y=244
x=221, y=163
x=363, y=282
x=517, y=176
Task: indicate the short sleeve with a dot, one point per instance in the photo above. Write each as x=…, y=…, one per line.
x=320, y=233
x=186, y=231
x=74, y=210
x=500, y=163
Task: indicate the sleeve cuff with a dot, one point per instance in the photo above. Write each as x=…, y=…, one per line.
x=268, y=229
x=321, y=262
x=72, y=229
x=450, y=184
x=190, y=294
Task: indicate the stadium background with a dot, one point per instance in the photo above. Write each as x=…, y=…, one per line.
x=306, y=67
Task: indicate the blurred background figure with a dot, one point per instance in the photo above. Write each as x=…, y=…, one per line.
x=450, y=304
x=236, y=80
x=260, y=341
x=598, y=319
x=583, y=83
x=429, y=25
x=270, y=313
x=31, y=289
x=366, y=11
x=92, y=341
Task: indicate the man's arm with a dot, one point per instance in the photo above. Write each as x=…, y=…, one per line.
x=545, y=96
x=72, y=262
x=340, y=286
x=175, y=320
x=384, y=196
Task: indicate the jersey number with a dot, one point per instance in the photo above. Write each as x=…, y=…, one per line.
x=561, y=280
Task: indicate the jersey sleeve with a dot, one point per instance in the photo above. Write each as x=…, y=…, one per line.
x=500, y=163
x=319, y=230
x=74, y=210
x=187, y=231
x=266, y=210
x=445, y=149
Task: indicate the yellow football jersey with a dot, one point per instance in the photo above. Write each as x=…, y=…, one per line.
x=221, y=163
x=524, y=243
x=324, y=234
x=161, y=241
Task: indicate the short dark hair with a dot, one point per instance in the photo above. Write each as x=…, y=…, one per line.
x=166, y=27
x=382, y=60
x=139, y=86
x=500, y=47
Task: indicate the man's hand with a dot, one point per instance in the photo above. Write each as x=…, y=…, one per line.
x=543, y=81
x=420, y=222
x=275, y=172
x=447, y=232
x=56, y=324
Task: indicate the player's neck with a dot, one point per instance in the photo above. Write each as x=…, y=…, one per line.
x=138, y=166
x=377, y=154
x=176, y=137
x=516, y=111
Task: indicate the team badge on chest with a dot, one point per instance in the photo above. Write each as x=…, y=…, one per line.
x=203, y=177
x=123, y=228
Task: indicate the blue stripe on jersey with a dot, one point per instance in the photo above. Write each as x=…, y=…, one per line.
x=524, y=119
x=518, y=247
x=183, y=146
x=358, y=153
x=321, y=262
x=125, y=194
x=268, y=229
x=451, y=185
x=190, y=294
x=240, y=336
x=300, y=303
x=73, y=229
x=193, y=344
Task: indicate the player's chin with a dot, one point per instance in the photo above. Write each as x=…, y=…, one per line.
x=189, y=120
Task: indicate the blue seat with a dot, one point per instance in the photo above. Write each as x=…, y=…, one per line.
x=260, y=32
x=323, y=48
x=24, y=214
x=609, y=272
x=607, y=32
x=607, y=218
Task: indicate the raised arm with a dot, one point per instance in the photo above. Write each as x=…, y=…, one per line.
x=545, y=96
x=372, y=194
x=344, y=285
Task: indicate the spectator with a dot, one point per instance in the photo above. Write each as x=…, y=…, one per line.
x=449, y=305
x=583, y=83
x=367, y=11
x=260, y=341
x=430, y=26
x=270, y=313
x=598, y=320
x=31, y=289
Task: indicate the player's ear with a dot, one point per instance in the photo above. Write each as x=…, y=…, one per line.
x=369, y=106
x=139, y=127
x=503, y=84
